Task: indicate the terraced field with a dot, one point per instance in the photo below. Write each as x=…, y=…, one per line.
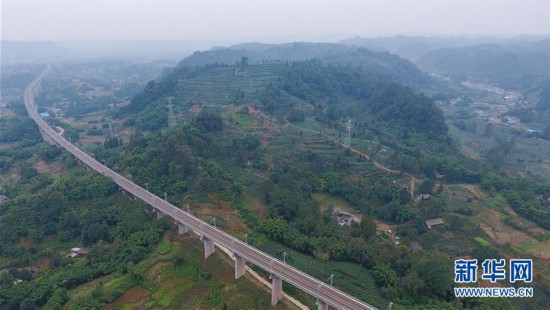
x=222, y=85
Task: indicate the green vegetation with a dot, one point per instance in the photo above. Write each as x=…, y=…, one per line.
x=256, y=145
x=47, y=216
x=520, y=67
x=174, y=274
x=526, y=196
x=301, y=159
x=18, y=128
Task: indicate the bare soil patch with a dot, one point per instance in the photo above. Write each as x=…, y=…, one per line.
x=542, y=250
x=498, y=231
x=254, y=111
x=326, y=202
x=257, y=206
x=474, y=189
x=44, y=263
x=194, y=292
x=224, y=211
x=44, y=167
x=135, y=296
x=153, y=270
x=383, y=227
x=470, y=152
x=26, y=243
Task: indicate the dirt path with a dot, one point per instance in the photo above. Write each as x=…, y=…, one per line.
x=474, y=190
x=61, y=130
x=258, y=175
x=370, y=159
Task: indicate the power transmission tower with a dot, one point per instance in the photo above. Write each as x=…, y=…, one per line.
x=111, y=130
x=171, y=118
x=348, y=126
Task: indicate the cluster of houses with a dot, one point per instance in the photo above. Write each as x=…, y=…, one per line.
x=33, y=270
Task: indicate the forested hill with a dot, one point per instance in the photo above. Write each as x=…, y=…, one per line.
x=523, y=67
x=383, y=65
x=278, y=88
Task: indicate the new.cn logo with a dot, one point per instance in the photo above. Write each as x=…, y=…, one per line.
x=494, y=270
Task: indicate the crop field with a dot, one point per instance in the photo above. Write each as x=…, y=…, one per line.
x=221, y=85
x=528, y=155
x=176, y=275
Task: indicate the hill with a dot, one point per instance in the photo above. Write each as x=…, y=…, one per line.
x=333, y=92
x=384, y=65
x=269, y=139
x=265, y=149
x=522, y=67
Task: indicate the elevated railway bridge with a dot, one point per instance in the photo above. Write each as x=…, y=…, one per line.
x=326, y=294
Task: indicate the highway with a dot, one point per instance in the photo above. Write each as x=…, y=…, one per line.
x=297, y=278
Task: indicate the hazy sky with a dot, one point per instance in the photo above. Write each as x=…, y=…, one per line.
x=267, y=20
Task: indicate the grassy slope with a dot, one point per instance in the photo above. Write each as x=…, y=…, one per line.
x=176, y=274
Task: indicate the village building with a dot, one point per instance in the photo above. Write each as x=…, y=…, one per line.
x=422, y=197
x=343, y=217
x=75, y=252
x=434, y=222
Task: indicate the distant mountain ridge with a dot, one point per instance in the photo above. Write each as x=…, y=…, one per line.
x=384, y=65
x=19, y=51
x=523, y=67
x=414, y=47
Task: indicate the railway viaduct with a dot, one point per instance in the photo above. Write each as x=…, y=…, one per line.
x=243, y=252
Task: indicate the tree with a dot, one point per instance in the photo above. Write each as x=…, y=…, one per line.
x=243, y=63
x=410, y=285
x=367, y=227
x=27, y=304
x=436, y=271
x=295, y=115
x=210, y=121
x=426, y=186
x=484, y=252
x=385, y=276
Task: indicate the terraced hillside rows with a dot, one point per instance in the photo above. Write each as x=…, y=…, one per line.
x=222, y=85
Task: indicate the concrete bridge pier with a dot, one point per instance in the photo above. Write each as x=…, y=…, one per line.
x=276, y=289
x=182, y=229
x=208, y=246
x=46, y=138
x=322, y=305
x=160, y=214
x=240, y=269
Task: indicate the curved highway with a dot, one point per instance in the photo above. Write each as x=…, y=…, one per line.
x=305, y=282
